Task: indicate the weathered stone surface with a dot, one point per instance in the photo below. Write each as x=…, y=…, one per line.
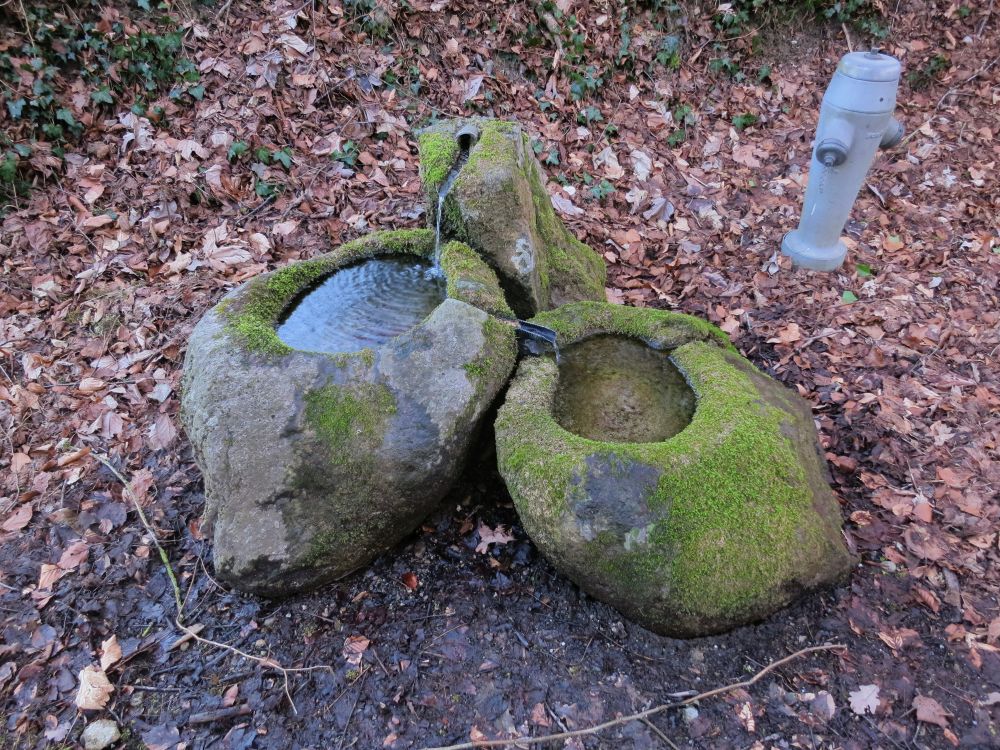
x=722, y=524
x=100, y=734
x=314, y=463
x=498, y=205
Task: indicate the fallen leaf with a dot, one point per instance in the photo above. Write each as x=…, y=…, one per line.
x=488, y=536
x=95, y=689
x=354, y=648
x=410, y=581
x=607, y=159
x=642, y=164
x=163, y=433
x=73, y=555
x=111, y=652
x=787, y=335
x=565, y=206
x=930, y=711
x=18, y=519
x=472, y=87
x=864, y=700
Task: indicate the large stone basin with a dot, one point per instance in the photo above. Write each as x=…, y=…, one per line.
x=316, y=462
x=691, y=506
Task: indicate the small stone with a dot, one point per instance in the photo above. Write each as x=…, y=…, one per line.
x=823, y=705
x=100, y=734
x=689, y=714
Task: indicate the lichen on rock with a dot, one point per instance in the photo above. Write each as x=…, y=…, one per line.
x=499, y=206
x=721, y=524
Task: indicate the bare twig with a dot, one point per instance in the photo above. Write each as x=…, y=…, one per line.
x=145, y=522
x=661, y=735
x=220, y=714
x=642, y=715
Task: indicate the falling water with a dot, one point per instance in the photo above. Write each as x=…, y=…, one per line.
x=442, y=194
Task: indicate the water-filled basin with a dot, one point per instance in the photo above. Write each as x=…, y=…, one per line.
x=363, y=306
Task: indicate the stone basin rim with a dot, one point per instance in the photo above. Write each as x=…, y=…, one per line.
x=577, y=322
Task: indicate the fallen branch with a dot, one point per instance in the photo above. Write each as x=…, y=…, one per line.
x=642, y=715
x=191, y=633
x=220, y=714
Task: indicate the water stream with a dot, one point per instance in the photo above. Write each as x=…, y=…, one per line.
x=443, y=191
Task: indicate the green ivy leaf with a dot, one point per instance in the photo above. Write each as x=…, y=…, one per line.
x=15, y=108
x=284, y=156
x=198, y=92
x=102, y=96
x=266, y=189
x=237, y=150
x=8, y=168
x=65, y=116
x=863, y=269
x=848, y=297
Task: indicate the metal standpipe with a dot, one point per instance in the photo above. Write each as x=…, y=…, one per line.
x=854, y=121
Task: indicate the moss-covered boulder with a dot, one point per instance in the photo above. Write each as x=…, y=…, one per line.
x=498, y=205
x=314, y=463
x=721, y=524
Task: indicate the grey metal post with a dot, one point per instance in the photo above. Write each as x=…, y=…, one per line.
x=854, y=121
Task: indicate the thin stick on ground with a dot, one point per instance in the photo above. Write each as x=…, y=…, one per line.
x=178, y=620
x=643, y=714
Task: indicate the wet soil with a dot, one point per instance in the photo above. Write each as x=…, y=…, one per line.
x=453, y=642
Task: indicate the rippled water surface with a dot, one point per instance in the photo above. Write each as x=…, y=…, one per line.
x=363, y=306
x=619, y=389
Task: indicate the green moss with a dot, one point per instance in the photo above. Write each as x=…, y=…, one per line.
x=341, y=415
x=572, y=271
x=739, y=506
x=665, y=330
x=500, y=189
x=438, y=152
x=252, y=316
x=471, y=280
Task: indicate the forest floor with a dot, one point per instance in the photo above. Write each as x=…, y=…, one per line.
x=684, y=173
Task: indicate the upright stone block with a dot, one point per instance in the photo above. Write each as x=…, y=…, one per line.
x=499, y=206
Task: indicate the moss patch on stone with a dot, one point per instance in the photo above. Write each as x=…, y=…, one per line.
x=438, y=152
x=663, y=330
x=252, y=316
x=471, y=280
x=740, y=511
x=572, y=271
x=341, y=415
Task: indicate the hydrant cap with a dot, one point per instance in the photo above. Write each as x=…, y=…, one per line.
x=870, y=66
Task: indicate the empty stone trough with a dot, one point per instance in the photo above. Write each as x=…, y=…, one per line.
x=664, y=474
x=332, y=404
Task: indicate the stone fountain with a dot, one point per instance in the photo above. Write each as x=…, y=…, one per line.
x=332, y=403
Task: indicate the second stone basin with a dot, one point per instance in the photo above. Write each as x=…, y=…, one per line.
x=691, y=504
